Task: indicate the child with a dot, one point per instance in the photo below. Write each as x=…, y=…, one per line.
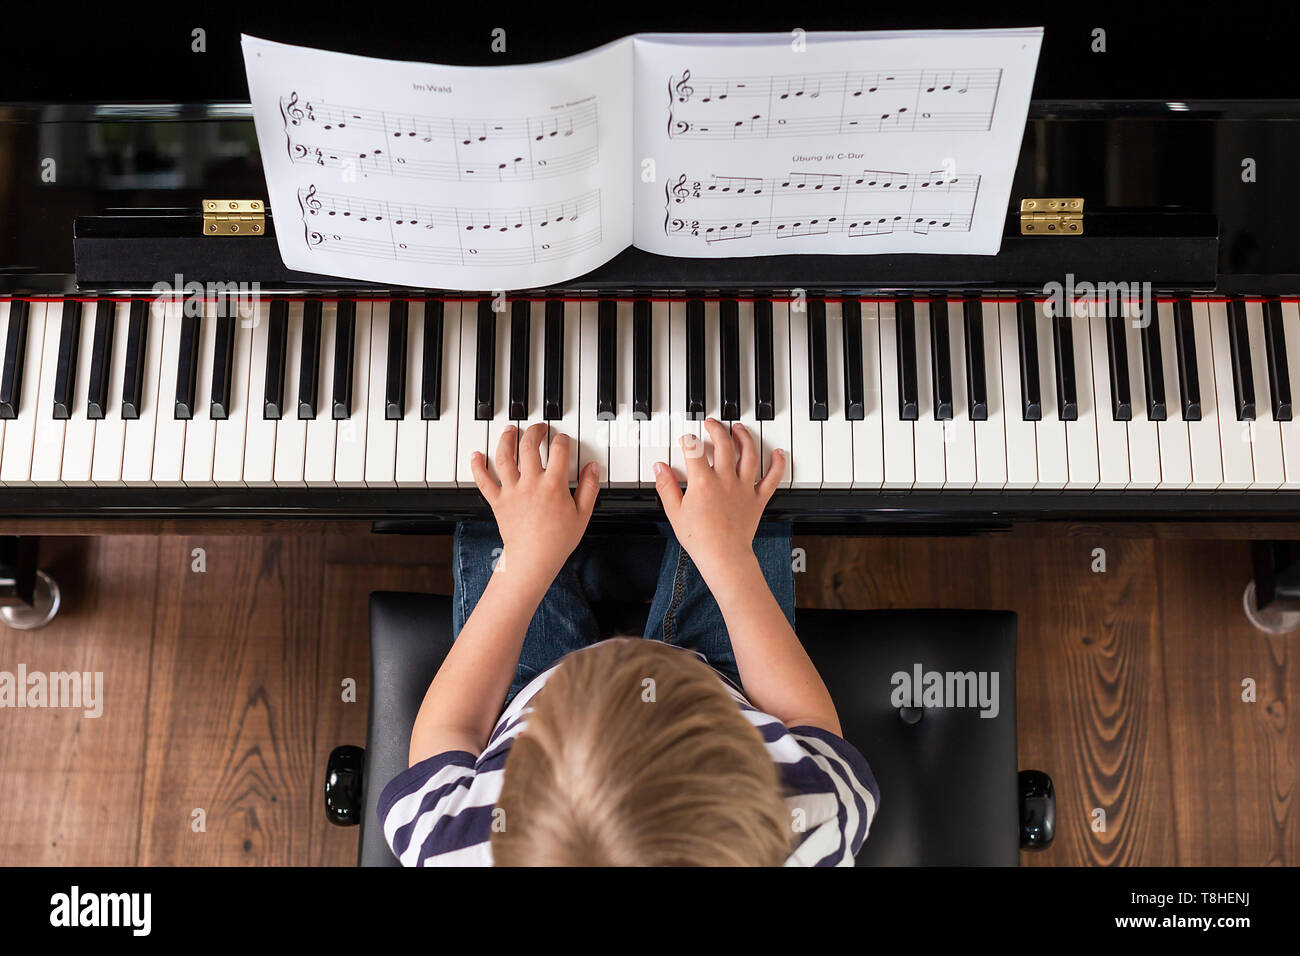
x=629, y=751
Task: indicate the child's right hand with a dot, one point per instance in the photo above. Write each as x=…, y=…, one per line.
x=716, y=518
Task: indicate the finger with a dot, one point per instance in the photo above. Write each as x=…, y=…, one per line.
x=670, y=492
x=724, y=449
x=507, y=469
x=775, y=471
x=747, y=467
x=557, y=463
x=588, y=487
x=530, y=454
x=697, y=463
x=487, y=486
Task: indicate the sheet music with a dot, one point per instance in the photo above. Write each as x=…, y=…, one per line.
x=840, y=144
x=472, y=178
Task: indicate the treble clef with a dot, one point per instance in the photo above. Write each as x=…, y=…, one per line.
x=310, y=201
x=292, y=110
x=681, y=192
x=683, y=89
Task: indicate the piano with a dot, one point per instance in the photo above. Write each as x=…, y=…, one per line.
x=912, y=392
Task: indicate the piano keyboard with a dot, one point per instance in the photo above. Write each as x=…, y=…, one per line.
x=951, y=395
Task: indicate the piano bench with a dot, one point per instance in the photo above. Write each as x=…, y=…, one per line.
x=950, y=793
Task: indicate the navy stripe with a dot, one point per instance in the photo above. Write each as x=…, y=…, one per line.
x=469, y=827
x=417, y=775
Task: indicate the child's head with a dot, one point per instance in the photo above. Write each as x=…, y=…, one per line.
x=635, y=754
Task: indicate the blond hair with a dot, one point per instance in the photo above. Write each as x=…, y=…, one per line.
x=635, y=755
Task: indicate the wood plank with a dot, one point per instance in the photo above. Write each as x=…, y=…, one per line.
x=233, y=703
x=1235, y=765
x=71, y=793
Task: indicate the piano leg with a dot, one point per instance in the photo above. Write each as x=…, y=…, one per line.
x=1272, y=598
x=29, y=598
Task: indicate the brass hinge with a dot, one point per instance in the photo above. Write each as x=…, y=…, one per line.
x=1051, y=217
x=234, y=217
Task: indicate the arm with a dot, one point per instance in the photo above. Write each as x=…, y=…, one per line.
x=715, y=520
x=540, y=525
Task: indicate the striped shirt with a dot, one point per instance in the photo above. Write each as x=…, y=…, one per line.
x=440, y=811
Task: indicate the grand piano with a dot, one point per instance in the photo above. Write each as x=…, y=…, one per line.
x=151, y=369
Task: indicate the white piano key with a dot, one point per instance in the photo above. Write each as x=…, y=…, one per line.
x=290, y=430
x=79, y=434
x=1081, y=434
x=777, y=433
x=350, y=444
x=1022, y=436
x=1112, y=435
x=1234, y=436
x=142, y=434
x=231, y=431
x=110, y=431
x=537, y=376
x=569, y=408
x=748, y=383
x=1204, y=436
x=1143, y=435
x=593, y=432
x=805, y=434
x=900, y=452
x=991, y=434
x=472, y=433
x=625, y=432
x=322, y=431
x=260, y=431
x=928, y=432
x=677, y=388
x=168, y=429
x=1290, y=431
x=200, y=430
x=959, y=434
x=837, y=430
x=868, y=434
x=656, y=433
x=412, y=430
x=501, y=399
x=381, y=432
x=1175, y=450
x=20, y=435
x=712, y=367
x=47, y=446
x=1266, y=443
x=5, y=305
x=1053, y=456
x=444, y=456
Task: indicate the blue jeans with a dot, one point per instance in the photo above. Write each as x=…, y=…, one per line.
x=682, y=611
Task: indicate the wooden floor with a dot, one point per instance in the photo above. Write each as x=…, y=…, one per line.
x=224, y=691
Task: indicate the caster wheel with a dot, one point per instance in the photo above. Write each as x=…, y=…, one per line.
x=46, y=599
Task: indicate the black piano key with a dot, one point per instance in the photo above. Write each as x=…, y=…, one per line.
x=855, y=398
x=309, y=360
x=137, y=334
x=485, y=363
x=909, y=407
x=764, y=362
x=1189, y=381
x=1067, y=392
x=65, y=374
x=1153, y=369
x=606, y=359
x=431, y=370
x=395, y=380
x=818, y=373
x=1243, y=377
x=223, y=361
x=695, y=359
x=977, y=394
x=277, y=350
x=1279, y=376
x=729, y=358
x=101, y=354
x=940, y=360
x=1031, y=396
x=11, y=378
x=1121, y=401
x=187, y=366
x=553, y=383
x=345, y=334
x=642, y=360
x=520, y=344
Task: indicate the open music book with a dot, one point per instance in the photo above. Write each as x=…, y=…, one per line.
x=481, y=178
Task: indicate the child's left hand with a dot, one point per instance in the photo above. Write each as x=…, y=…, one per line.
x=540, y=522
